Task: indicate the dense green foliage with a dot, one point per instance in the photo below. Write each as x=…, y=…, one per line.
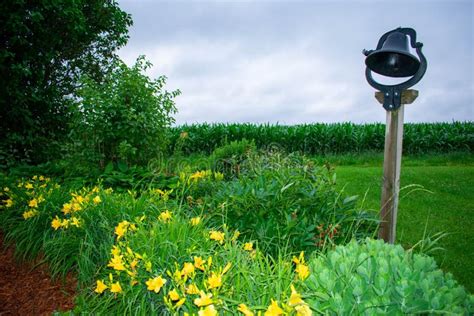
x=377, y=278
x=143, y=252
x=44, y=49
x=125, y=118
x=318, y=139
x=288, y=202
x=229, y=158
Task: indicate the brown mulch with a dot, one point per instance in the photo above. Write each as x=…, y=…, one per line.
x=26, y=289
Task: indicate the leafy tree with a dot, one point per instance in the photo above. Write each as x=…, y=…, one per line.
x=125, y=118
x=45, y=46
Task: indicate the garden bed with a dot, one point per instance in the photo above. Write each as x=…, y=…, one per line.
x=27, y=288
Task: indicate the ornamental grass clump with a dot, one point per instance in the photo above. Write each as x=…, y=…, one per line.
x=171, y=263
x=374, y=278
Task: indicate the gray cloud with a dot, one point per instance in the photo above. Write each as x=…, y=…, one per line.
x=300, y=61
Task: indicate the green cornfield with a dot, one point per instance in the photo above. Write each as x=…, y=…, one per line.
x=323, y=139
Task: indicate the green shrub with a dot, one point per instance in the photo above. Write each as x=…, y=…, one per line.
x=285, y=201
x=121, y=177
x=228, y=158
x=374, y=278
x=125, y=119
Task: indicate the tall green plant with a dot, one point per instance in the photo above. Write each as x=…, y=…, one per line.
x=287, y=202
x=323, y=139
x=125, y=119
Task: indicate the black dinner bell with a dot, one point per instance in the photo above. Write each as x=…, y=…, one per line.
x=394, y=58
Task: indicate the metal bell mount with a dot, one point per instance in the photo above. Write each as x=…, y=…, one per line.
x=392, y=58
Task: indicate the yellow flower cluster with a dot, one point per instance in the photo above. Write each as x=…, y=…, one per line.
x=78, y=202
x=302, y=269
x=217, y=236
x=6, y=198
x=196, y=281
x=200, y=175
x=165, y=216
x=125, y=226
x=36, y=189
x=193, y=286
x=115, y=287
x=162, y=194
x=294, y=306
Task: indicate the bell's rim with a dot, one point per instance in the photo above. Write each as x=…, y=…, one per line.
x=415, y=63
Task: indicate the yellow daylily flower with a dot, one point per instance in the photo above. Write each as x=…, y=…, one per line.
x=199, y=263
x=273, y=309
x=133, y=264
x=148, y=266
x=116, y=263
x=295, y=297
x=116, y=288
x=30, y=214
x=226, y=268
x=56, y=223
x=33, y=203
x=248, y=246
x=300, y=258
x=197, y=175
x=96, y=200
x=180, y=302
x=28, y=186
x=245, y=310
x=303, y=310
x=115, y=250
x=214, y=281
x=78, y=198
x=8, y=203
x=165, y=216
x=203, y=300
x=75, y=221
x=101, y=287
x=217, y=236
x=155, y=284
x=188, y=269
x=65, y=223
x=174, y=295
x=236, y=235
x=208, y=311
x=121, y=229
x=195, y=220
x=302, y=270
x=76, y=207
x=67, y=208
x=192, y=289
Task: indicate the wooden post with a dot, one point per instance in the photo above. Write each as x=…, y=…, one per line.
x=392, y=166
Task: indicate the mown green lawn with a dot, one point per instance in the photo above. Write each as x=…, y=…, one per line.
x=448, y=207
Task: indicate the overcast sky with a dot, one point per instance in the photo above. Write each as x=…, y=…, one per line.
x=292, y=62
